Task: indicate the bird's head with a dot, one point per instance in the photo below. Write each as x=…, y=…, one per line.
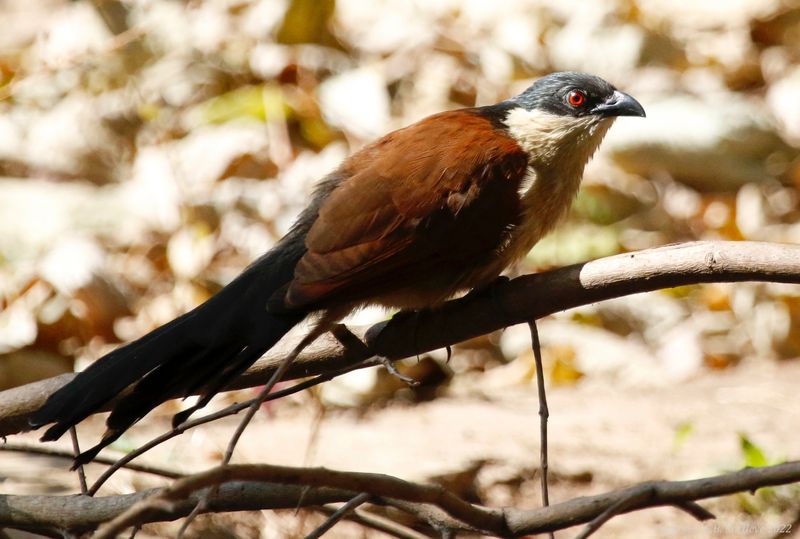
x=562, y=117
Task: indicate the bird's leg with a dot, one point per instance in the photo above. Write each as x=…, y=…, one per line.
x=388, y=364
x=348, y=339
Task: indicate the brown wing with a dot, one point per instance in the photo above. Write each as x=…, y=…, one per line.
x=419, y=201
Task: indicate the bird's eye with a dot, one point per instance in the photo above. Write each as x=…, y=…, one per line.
x=576, y=98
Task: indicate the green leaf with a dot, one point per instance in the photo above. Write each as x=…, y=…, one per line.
x=254, y=102
x=754, y=456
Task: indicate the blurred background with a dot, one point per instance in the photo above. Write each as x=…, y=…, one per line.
x=150, y=149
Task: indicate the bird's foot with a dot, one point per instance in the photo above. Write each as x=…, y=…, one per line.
x=388, y=364
x=349, y=340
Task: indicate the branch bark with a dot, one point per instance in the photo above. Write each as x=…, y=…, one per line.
x=82, y=513
x=522, y=299
x=277, y=487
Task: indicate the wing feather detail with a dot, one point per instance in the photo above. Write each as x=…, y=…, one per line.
x=444, y=195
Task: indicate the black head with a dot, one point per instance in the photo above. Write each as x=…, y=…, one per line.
x=571, y=93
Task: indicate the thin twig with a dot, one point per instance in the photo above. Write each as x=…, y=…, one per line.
x=544, y=412
x=432, y=515
x=636, y=497
x=262, y=397
x=225, y=412
x=158, y=440
x=695, y=509
x=619, y=507
x=200, y=507
x=379, y=523
x=338, y=515
x=69, y=454
x=76, y=448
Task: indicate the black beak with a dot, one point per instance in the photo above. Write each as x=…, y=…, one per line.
x=619, y=104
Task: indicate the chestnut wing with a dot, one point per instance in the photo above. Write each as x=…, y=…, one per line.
x=439, y=193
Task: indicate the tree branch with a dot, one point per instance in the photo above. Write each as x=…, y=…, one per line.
x=585, y=509
x=79, y=513
x=521, y=299
x=83, y=513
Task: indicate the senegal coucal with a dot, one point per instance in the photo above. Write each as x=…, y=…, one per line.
x=428, y=211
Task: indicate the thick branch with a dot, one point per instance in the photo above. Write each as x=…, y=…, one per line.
x=80, y=512
x=521, y=299
x=584, y=509
x=375, y=484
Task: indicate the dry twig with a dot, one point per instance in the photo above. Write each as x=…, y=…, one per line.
x=338, y=515
x=544, y=412
x=225, y=412
x=458, y=515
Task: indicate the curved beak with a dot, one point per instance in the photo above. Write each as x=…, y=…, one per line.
x=619, y=104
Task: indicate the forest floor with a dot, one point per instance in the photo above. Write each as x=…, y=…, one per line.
x=601, y=438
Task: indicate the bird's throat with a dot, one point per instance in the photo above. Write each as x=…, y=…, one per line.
x=559, y=148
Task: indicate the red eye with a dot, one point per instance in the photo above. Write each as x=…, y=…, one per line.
x=576, y=98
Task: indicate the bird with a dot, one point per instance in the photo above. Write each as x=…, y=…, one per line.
x=427, y=212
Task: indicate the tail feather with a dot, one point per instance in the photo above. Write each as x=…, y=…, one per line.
x=201, y=350
x=104, y=380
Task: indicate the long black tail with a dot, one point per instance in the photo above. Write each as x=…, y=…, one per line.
x=202, y=350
